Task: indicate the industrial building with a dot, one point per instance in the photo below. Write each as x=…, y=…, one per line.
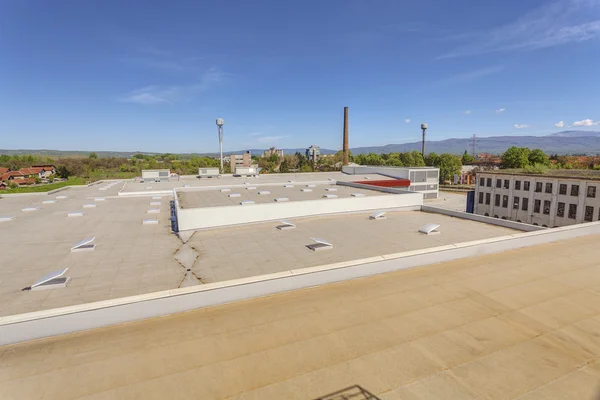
x=273, y=151
x=240, y=160
x=558, y=198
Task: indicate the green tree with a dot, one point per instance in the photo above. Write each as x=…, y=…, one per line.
x=432, y=159
x=63, y=172
x=537, y=156
x=306, y=168
x=449, y=165
x=516, y=157
x=12, y=185
x=38, y=180
x=467, y=158
x=284, y=166
x=93, y=155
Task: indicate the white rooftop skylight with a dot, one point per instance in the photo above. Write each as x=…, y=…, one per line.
x=84, y=245
x=378, y=215
x=430, y=229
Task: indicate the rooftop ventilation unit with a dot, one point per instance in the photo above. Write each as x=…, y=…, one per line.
x=156, y=197
x=153, y=210
x=357, y=195
x=287, y=185
x=264, y=192
x=280, y=199
x=155, y=203
x=285, y=225
x=89, y=206
x=306, y=190
x=330, y=196
x=311, y=185
x=226, y=190
x=48, y=201
x=53, y=280
x=251, y=188
x=246, y=202
x=235, y=195
x=30, y=209
x=430, y=229
x=331, y=189
x=6, y=219
x=378, y=215
x=75, y=214
x=84, y=245
x=99, y=199
x=290, y=181
x=319, y=245
x=61, y=197
x=150, y=221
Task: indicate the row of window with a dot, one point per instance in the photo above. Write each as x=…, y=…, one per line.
x=537, y=206
x=539, y=187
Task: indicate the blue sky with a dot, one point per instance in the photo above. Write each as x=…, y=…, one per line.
x=154, y=75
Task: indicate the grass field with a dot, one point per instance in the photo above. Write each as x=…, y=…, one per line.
x=45, y=188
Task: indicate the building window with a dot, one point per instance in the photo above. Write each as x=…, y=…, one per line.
x=515, y=203
x=480, y=197
x=505, y=201
x=560, y=211
x=526, y=185
x=497, y=201
x=589, y=213
x=506, y=184
x=538, y=187
x=489, y=182
x=481, y=181
x=498, y=183
x=574, y=190
x=517, y=185
x=537, y=204
x=487, y=198
x=562, y=189
x=525, y=204
x=572, y=211
x=547, y=207
x=591, y=191
x=548, y=187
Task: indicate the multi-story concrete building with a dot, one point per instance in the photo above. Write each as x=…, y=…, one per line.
x=240, y=160
x=313, y=153
x=273, y=151
x=558, y=198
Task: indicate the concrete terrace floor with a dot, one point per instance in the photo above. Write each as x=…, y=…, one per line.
x=522, y=324
x=257, y=249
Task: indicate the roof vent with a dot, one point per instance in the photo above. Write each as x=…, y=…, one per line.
x=89, y=206
x=75, y=214
x=246, y=202
x=357, y=195
x=186, y=185
x=331, y=179
x=378, y=215
x=285, y=225
x=61, y=197
x=53, y=280
x=99, y=199
x=306, y=190
x=251, y=188
x=30, y=209
x=331, y=189
x=84, y=245
x=264, y=192
x=226, y=190
x=430, y=229
x=156, y=197
x=235, y=195
x=367, y=177
x=48, y=201
x=287, y=185
x=153, y=210
x=311, y=185
x=150, y=221
x=6, y=219
x=280, y=199
x=319, y=245
x=155, y=203
x=330, y=196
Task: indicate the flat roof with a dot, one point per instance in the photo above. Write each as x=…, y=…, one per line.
x=216, y=198
x=257, y=249
x=518, y=324
x=588, y=174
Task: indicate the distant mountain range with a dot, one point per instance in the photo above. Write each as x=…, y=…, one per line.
x=565, y=142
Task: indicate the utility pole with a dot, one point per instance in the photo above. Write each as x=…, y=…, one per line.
x=345, y=136
x=220, y=123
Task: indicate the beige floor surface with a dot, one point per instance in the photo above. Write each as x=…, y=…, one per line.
x=523, y=324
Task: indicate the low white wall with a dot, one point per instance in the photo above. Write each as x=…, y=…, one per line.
x=480, y=218
x=23, y=327
x=209, y=217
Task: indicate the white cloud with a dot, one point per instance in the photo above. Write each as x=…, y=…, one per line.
x=500, y=110
x=560, y=124
x=470, y=76
x=586, y=122
x=157, y=94
x=552, y=24
x=521, y=126
x=467, y=112
x=407, y=120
